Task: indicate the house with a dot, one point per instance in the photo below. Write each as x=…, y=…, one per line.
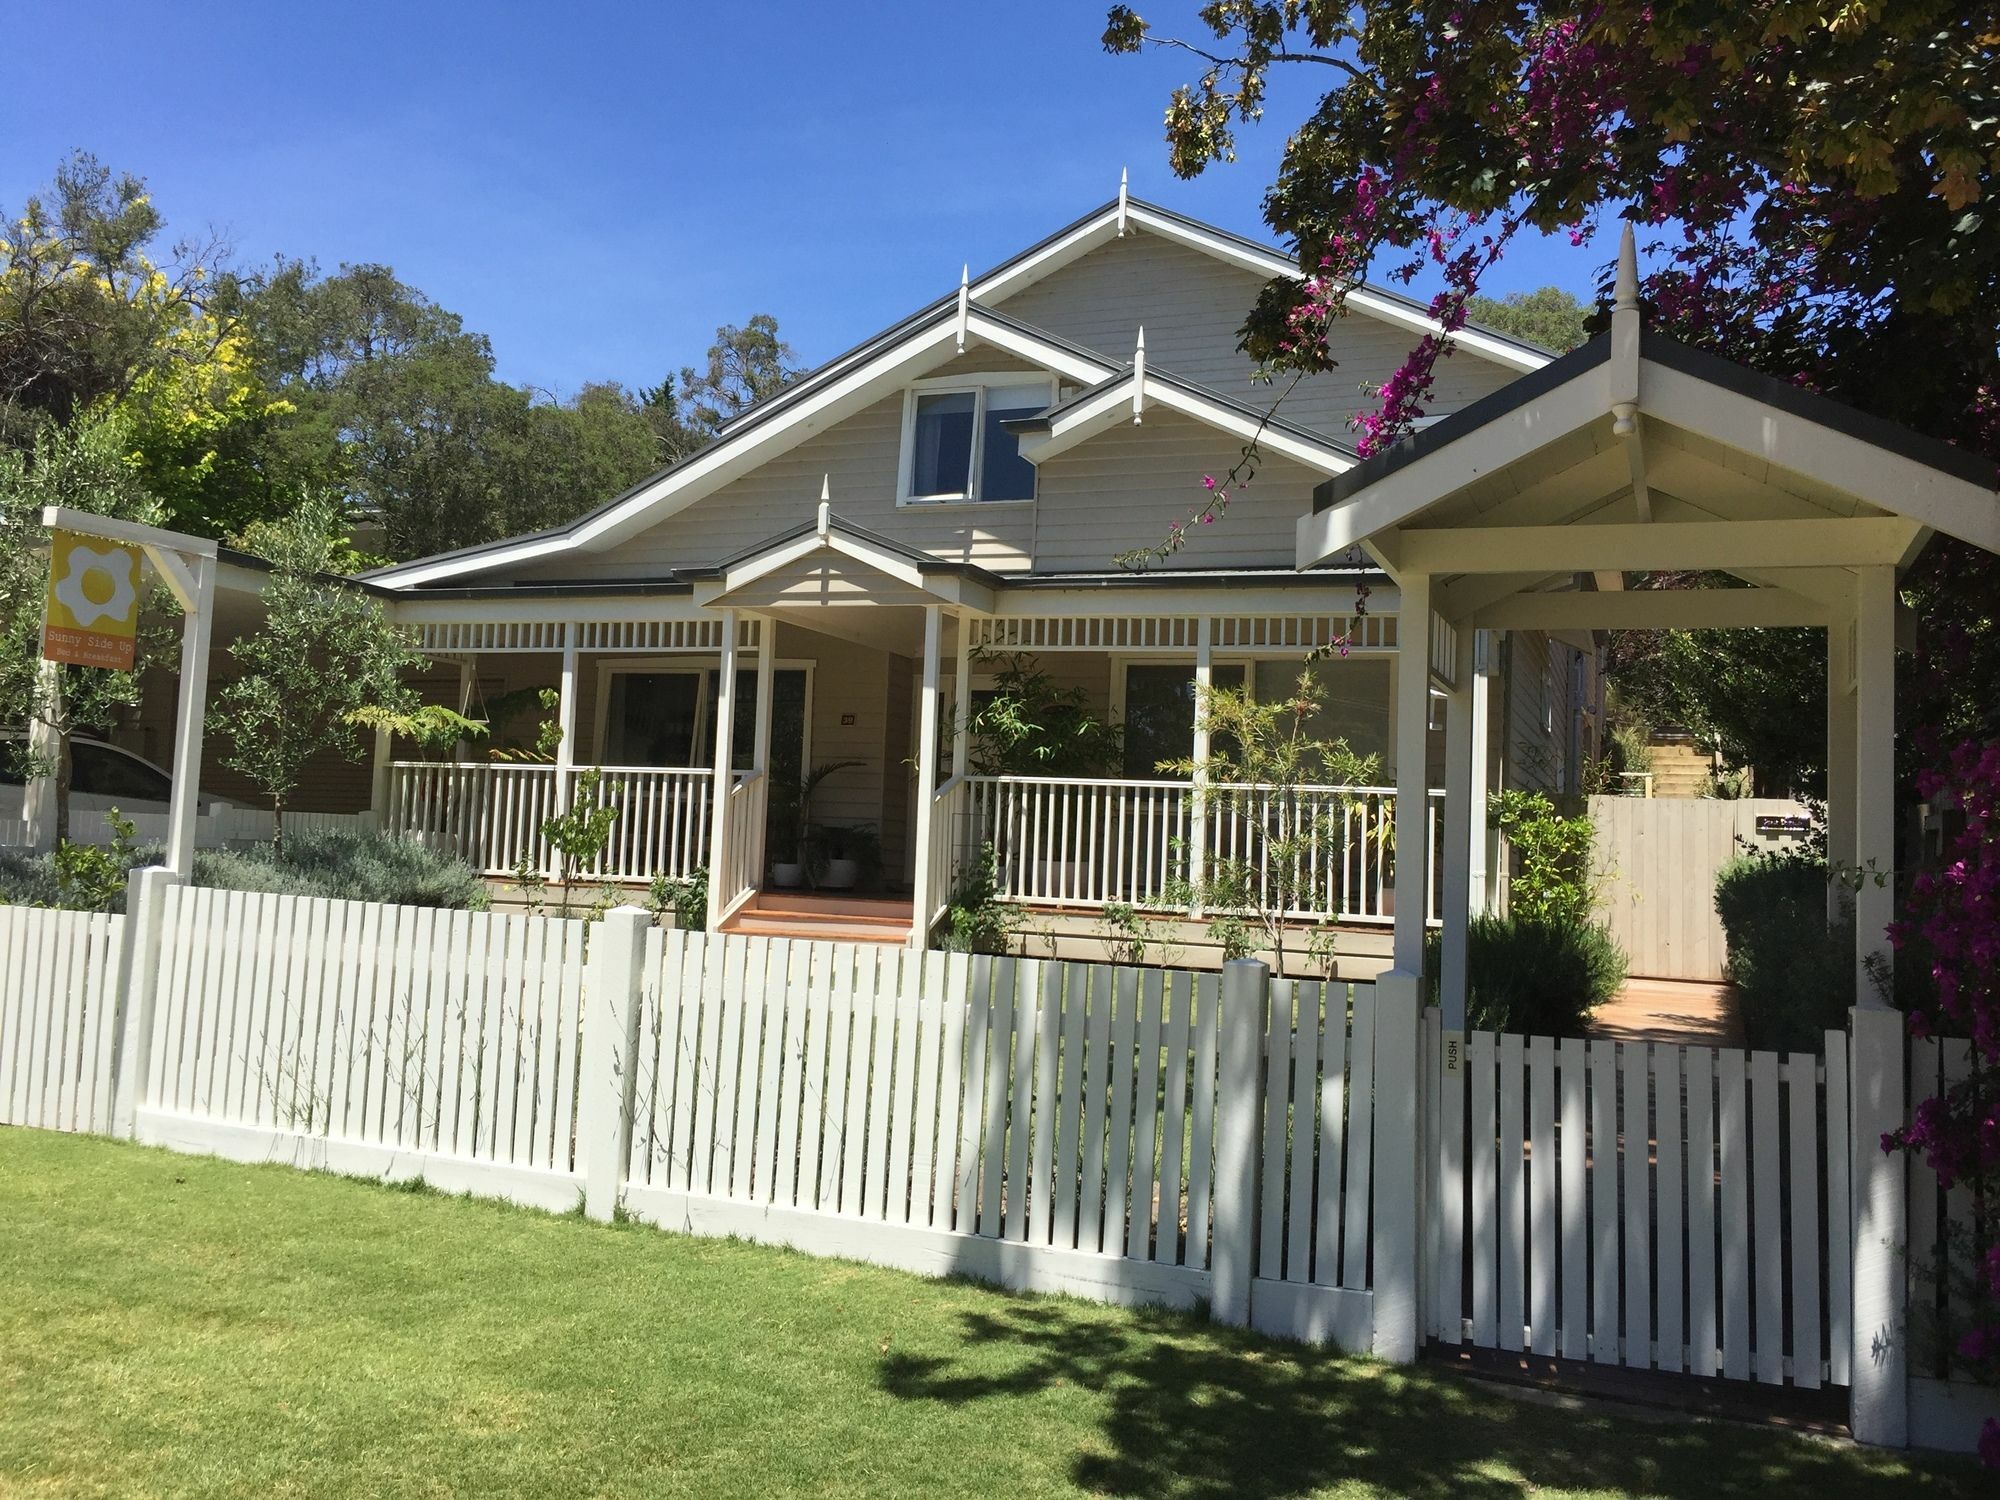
x=837, y=576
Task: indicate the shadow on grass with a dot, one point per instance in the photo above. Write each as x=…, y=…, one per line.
x=1199, y=1412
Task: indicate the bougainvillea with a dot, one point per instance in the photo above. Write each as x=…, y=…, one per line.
x=1951, y=922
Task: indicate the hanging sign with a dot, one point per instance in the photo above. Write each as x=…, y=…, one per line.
x=92, y=619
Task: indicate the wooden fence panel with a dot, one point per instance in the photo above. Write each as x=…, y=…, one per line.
x=1657, y=857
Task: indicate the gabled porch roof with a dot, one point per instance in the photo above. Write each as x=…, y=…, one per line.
x=1638, y=453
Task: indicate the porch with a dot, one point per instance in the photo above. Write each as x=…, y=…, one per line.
x=703, y=712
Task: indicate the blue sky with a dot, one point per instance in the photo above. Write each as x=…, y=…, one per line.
x=597, y=186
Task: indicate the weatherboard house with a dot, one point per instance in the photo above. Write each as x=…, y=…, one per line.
x=837, y=578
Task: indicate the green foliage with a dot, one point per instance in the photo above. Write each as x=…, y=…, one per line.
x=579, y=833
x=1534, y=976
x=324, y=656
x=1262, y=757
x=1793, y=970
x=745, y=366
x=978, y=921
x=342, y=865
x=433, y=728
x=1756, y=695
x=858, y=842
x=1552, y=880
x=397, y=403
x=686, y=897
x=789, y=815
x=1031, y=727
x=1548, y=316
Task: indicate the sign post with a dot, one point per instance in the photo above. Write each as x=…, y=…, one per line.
x=93, y=617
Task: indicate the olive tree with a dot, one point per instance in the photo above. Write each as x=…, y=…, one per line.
x=326, y=660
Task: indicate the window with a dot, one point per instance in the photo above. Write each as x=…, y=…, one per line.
x=955, y=446
x=1158, y=707
x=102, y=771
x=652, y=718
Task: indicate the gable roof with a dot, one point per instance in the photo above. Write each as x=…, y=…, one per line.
x=1125, y=396
x=830, y=391
x=1907, y=485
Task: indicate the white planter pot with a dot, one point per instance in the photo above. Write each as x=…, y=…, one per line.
x=788, y=877
x=841, y=875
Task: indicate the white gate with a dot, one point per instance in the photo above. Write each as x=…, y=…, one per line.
x=1658, y=857
x=1646, y=1204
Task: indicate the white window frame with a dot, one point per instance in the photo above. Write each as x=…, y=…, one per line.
x=976, y=385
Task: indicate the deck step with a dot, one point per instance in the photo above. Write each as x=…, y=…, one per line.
x=822, y=929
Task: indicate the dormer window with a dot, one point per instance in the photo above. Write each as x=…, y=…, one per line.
x=954, y=446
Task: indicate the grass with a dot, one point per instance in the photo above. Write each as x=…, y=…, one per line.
x=175, y=1325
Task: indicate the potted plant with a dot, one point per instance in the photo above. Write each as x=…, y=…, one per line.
x=791, y=822
x=842, y=856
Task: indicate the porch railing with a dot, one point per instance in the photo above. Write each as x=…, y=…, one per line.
x=1063, y=841
x=491, y=816
x=950, y=850
x=742, y=868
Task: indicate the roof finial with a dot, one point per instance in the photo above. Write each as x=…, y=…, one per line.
x=1124, y=184
x=1139, y=378
x=825, y=518
x=1625, y=292
x=1625, y=337
x=964, y=303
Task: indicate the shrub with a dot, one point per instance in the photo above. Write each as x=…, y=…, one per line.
x=686, y=897
x=374, y=867
x=315, y=862
x=1552, y=880
x=978, y=920
x=1534, y=976
x=1793, y=971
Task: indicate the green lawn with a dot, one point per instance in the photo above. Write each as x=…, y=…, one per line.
x=174, y=1325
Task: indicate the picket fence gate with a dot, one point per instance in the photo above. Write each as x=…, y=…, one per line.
x=1662, y=1207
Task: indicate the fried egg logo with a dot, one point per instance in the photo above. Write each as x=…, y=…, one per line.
x=97, y=586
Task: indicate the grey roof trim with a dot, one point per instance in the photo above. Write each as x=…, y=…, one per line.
x=1373, y=288
x=1043, y=421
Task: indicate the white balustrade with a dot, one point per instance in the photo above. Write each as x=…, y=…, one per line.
x=491, y=815
x=743, y=856
x=1065, y=841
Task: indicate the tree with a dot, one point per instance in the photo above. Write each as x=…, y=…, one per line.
x=89, y=318
x=745, y=365
x=1266, y=769
x=325, y=659
x=84, y=465
x=1550, y=317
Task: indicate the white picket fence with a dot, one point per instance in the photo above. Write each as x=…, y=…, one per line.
x=1656, y=1206
x=1056, y=1126
x=291, y=1022
x=1298, y=1156
x=1045, y=1125
x=59, y=993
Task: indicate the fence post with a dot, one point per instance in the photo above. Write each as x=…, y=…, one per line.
x=1399, y=1153
x=1879, y=1409
x=1246, y=990
x=613, y=974
x=138, y=991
